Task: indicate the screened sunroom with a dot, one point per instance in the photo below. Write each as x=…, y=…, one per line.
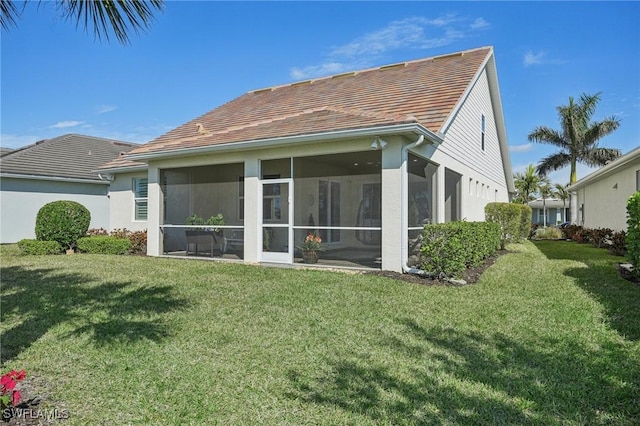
x=335, y=197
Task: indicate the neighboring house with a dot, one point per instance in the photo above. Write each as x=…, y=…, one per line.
x=550, y=212
x=599, y=200
x=61, y=168
x=363, y=159
x=4, y=151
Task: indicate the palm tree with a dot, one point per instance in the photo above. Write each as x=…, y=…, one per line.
x=578, y=139
x=527, y=184
x=562, y=193
x=546, y=191
x=104, y=16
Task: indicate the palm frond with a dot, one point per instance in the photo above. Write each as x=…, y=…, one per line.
x=9, y=13
x=543, y=134
x=553, y=162
x=599, y=130
x=107, y=16
x=588, y=104
x=600, y=156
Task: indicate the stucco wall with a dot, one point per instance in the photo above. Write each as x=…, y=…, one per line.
x=21, y=199
x=605, y=200
x=121, y=207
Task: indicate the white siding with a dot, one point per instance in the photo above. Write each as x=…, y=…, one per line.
x=462, y=152
x=21, y=199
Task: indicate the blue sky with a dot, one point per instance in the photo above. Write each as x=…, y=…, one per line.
x=198, y=55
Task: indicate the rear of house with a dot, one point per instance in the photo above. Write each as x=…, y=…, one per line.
x=362, y=159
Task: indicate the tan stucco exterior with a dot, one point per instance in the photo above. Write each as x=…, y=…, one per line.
x=601, y=198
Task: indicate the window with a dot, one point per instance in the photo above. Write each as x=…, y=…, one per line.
x=140, y=186
x=483, y=129
x=638, y=180
x=240, y=197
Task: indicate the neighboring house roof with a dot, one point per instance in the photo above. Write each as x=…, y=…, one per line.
x=607, y=170
x=422, y=93
x=550, y=203
x=64, y=157
x=4, y=151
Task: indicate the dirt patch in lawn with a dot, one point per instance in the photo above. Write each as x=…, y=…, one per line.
x=471, y=275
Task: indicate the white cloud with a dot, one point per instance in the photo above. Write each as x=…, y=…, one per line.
x=67, y=123
x=531, y=58
x=521, y=148
x=101, y=109
x=540, y=58
x=480, y=24
x=408, y=33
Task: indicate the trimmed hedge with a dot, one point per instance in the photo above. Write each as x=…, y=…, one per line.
x=633, y=231
x=525, y=221
x=62, y=221
x=449, y=248
x=36, y=247
x=104, y=245
x=509, y=217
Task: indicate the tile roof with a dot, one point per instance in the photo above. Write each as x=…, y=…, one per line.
x=69, y=156
x=424, y=91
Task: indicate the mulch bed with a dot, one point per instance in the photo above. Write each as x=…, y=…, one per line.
x=471, y=275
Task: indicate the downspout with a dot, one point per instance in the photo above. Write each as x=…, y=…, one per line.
x=404, y=211
x=405, y=219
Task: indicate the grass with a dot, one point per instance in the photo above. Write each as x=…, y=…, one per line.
x=550, y=335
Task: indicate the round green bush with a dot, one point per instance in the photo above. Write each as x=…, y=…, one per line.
x=62, y=221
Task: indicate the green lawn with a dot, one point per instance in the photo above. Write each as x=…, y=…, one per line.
x=550, y=335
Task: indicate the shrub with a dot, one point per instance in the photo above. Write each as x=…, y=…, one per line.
x=570, y=230
x=508, y=217
x=96, y=231
x=37, y=247
x=104, y=245
x=138, y=239
x=449, y=248
x=633, y=231
x=618, y=245
x=62, y=221
x=600, y=236
x=549, y=233
x=525, y=221
x=582, y=235
x=532, y=230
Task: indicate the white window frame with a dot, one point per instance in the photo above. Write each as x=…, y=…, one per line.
x=135, y=186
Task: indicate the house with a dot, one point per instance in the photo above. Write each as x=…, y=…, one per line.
x=363, y=159
x=61, y=168
x=599, y=200
x=549, y=212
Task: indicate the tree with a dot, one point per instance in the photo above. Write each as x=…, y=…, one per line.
x=578, y=139
x=562, y=194
x=527, y=184
x=103, y=16
x=546, y=191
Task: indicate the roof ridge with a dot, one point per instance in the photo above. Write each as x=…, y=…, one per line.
x=367, y=70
